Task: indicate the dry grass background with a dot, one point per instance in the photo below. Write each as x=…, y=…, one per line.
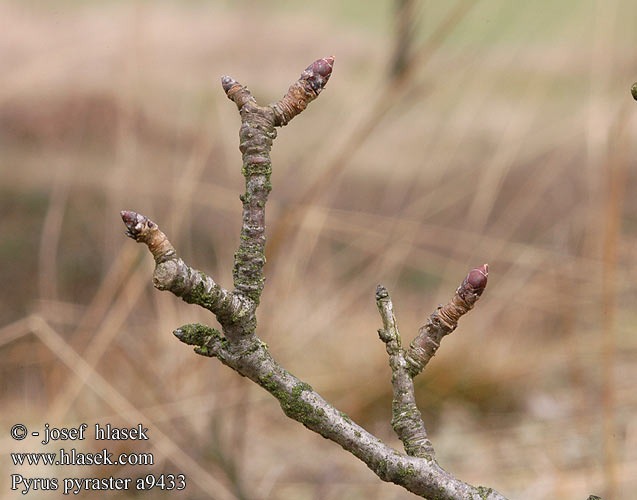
x=512, y=143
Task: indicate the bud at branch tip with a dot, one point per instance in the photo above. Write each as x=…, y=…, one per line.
x=477, y=279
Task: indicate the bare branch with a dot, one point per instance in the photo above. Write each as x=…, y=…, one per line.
x=307, y=88
x=194, y=287
x=238, y=346
x=445, y=320
x=256, y=135
x=422, y=476
x=406, y=418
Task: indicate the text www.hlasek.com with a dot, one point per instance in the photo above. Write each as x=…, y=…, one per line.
x=74, y=457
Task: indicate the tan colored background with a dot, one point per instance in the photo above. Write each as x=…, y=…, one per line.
x=512, y=142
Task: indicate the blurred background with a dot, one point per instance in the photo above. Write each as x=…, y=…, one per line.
x=450, y=134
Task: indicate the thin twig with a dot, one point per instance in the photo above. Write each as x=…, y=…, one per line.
x=406, y=418
x=445, y=320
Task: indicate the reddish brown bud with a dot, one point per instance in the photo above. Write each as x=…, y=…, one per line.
x=476, y=280
x=323, y=66
x=318, y=73
x=135, y=223
x=129, y=217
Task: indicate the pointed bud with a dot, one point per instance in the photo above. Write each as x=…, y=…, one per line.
x=476, y=280
x=138, y=226
x=318, y=73
x=131, y=220
x=227, y=82
x=381, y=292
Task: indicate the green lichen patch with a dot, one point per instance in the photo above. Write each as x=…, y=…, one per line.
x=204, y=351
x=404, y=472
x=199, y=295
x=292, y=403
x=196, y=334
x=484, y=492
x=346, y=417
x=381, y=468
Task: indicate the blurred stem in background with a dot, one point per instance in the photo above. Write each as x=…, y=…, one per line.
x=615, y=174
x=395, y=88
x=405, y=24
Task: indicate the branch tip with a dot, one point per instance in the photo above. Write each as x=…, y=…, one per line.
x=307, y=88
x=136, y=224
x=195, y=334
x=445, y=318
x=381, y=292
x=227, y=82
x=318, y=73
x=476, y=280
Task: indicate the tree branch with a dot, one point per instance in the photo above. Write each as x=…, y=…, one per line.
x=256, y=135
x=445, y=320
x=238, y=346
x=233, y=311
x=406, y=418
x=422, y=476
x=307, y=88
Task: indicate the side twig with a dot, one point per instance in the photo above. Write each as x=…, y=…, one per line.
x=445, y=320
x=234, y=311
x=406, y=418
